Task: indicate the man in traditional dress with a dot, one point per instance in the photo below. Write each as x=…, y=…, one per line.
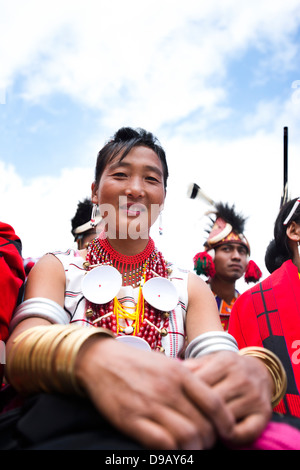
x=82, y=230
x=225, y=259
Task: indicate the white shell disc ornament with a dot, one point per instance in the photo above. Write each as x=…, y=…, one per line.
x=135, y=341
x=160, y=293
x=101, y=284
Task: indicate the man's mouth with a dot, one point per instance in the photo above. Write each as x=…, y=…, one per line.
x=235, y=266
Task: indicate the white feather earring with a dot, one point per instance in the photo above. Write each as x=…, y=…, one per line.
x=93, y=216
x=160, y=224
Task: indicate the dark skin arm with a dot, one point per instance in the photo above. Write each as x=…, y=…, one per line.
x=161, y=402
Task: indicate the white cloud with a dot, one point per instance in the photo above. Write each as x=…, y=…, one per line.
x=161, y=60
x=41, y=212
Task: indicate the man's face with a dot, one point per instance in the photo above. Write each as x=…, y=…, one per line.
x=230, y=261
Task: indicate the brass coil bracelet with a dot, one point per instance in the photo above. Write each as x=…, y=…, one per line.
x=274, y=366
x=43, y=358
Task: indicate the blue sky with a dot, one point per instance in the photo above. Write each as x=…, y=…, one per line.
x=41, y=138
x=215, y=81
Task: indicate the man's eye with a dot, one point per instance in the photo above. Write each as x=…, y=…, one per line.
x=120, y=175
x=152, y=178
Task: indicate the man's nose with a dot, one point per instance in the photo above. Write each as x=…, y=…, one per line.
x=236, y=254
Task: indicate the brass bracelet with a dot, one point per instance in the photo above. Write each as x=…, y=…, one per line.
x=49, y=365
x=44, y=353
x=43, y=358
x=67, y=354
x=274, y=366
x=20, y=356
x=23, y=366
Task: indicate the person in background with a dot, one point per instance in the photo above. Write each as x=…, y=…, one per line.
x=82, y=230
x=226, y=259
x=268, y=314
x=12, y=278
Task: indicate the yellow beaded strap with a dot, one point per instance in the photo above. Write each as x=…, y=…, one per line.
x=274, y=366
x=136, y=315
x=43, y=358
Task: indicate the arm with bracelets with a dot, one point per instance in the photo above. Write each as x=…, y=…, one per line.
x=251, y=381
x=63, y=358
x=43, y=345
x=147, y=396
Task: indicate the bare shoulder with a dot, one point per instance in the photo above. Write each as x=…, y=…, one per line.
x=46, y=279
x=196, y=285
x=47, y=262
x=202, y=314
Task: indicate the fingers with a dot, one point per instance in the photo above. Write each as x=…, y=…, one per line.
x=159, y=402
x=150, y=435
x=153, y=406
x=244, y=389
x=212, y=405
x=248, y=429
x=251, y=409
x=213, y=368
x=175, y=420
x=166, y=428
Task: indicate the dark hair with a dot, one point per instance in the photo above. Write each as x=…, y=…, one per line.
x=278, y=250
x=122, y=142
x=83, y=214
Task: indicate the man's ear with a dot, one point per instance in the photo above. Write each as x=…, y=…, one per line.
x=293, y=232
x=94, y=193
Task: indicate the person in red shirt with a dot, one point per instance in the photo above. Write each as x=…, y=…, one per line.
x=12, y=277
x=268, y=314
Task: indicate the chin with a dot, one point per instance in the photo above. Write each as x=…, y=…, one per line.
x=237, y=277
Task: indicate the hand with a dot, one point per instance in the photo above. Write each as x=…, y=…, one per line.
x=154, y=399
x=246, y=387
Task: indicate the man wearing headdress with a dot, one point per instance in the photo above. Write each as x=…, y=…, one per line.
x=225, y=259
x=83, y=229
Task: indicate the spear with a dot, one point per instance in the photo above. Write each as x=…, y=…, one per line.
x=284, y=197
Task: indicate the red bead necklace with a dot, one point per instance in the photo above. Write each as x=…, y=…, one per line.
x=151, y=324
